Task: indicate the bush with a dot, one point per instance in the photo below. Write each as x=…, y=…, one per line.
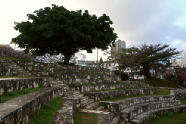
x=124, y=76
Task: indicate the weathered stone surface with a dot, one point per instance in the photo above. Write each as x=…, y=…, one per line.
x=114, y=93
x=145, y=117
x=20, y=109
x=67, y=74
x=118, y=106
x=140, y=109
x=88, y=87
x=10, y=68
x=15, y=84
x=179, y=94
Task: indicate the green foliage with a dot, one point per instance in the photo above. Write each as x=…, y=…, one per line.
x=124, y=76
x=47, y=112
x=8, y=53
x=147, y=56
x=183, y=102
x=57, y=30
x=117, y=72
x=10, y=95
x=85, y=118
x=155, y=82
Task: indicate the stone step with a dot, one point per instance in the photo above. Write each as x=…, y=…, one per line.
x=116, y=120
x=144, y=117
x=80, y=96
x=92, y=106
x=100, y=108
x=133, y=111
x=84, y=98
x=85, y=103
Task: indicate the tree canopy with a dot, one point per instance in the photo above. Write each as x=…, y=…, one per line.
x=146, y=57
x=57, y=30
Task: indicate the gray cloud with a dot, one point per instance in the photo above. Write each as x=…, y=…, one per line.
x=138, y=21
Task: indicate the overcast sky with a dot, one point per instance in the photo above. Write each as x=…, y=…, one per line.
x=135, y=21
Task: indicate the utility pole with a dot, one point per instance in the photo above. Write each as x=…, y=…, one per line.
x=97, y=55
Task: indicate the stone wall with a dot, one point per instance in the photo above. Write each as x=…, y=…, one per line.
x=141, y=109
x=88, y=87
x=67, y=74
x=180, y=94
x=118, y=106
x=10, y=68
x=15, y=84
x=20, y=109
x=114, y=93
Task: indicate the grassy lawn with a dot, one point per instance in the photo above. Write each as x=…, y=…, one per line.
x=10, y=95
x=85, y=118
x=169, y=118
x=161, y=83
x=157, y=92
x=47, y=112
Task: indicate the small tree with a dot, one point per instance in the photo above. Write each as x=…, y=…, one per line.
x=57, y=30
x=147, y=56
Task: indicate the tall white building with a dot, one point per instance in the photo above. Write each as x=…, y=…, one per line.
x=119, y=45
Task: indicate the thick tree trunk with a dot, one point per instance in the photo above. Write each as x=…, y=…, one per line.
x=146, y=70
x=66, y=60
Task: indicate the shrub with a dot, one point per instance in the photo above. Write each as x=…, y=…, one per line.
x=124, y=76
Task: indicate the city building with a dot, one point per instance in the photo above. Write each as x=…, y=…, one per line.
x=119, y=45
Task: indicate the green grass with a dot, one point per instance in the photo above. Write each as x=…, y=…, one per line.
x=47, y=112
x=162, y=83
x=169, y=118
x=10, y=95
x=183, y=102
x=85, y=118
x=163, y=91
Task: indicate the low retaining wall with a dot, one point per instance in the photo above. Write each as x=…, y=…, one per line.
x=180, y=94
x=114, y=93
x=14, y=84
x=65, y=114
x=20, y=109
x=158, y=113
x=68, y=74
x=88, y=87
x=118, y=106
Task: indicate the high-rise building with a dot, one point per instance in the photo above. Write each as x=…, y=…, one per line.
x=119, y=46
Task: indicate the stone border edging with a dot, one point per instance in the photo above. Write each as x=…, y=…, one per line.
x=20, y=109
